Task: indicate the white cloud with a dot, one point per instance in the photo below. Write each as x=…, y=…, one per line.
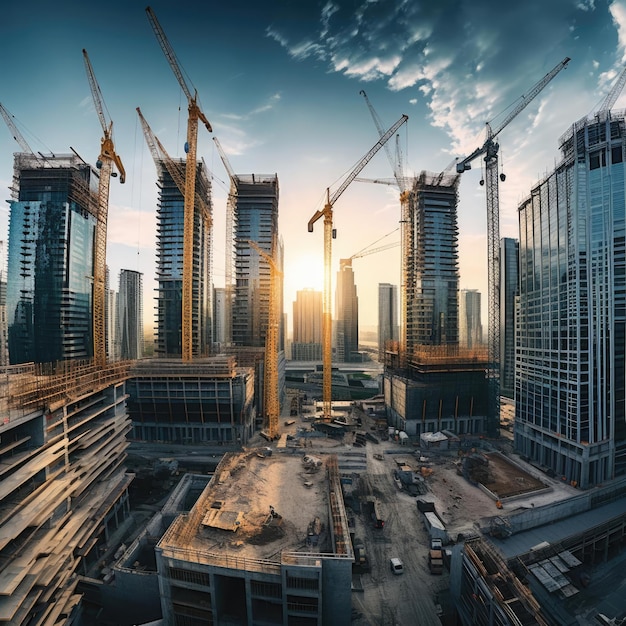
x=618, y=12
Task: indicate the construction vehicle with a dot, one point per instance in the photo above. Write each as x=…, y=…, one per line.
x=107, y=158
x=195, y=115
x=270, y=387
x=404, y=184
x=489, y=150
x=329, y=234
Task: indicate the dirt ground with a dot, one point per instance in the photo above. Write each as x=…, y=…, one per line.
x=510, y=480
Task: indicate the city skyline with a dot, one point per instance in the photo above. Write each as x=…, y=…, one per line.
x=285, y=99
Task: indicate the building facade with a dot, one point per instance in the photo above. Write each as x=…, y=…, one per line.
x=307, y=326
x=220, y=324
x=571, y=327
x=208, y=401
x=170, y=220
x=388, y=329
x=50, y=259
x=346, y=315
x=509, y=279
x=130, y=314
x=470, y=324
x=432, y=306
x=255, y=219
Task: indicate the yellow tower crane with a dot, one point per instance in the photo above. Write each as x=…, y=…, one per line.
x=327, y=214
x=174, y=169
x=108, y=157
x=195, y=114
x=270, y=387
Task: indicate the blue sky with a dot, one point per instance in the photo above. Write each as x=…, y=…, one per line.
x=279, y=82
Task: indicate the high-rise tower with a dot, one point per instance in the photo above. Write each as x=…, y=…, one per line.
x=570, y=367
x=255, y=218
x=433, y=272
x=50, y=259
x=130, y=314
x=509, y=278
x=470, y=325
x=347, y=314
x=170, y=221
x=307, y=326
x=387, y=316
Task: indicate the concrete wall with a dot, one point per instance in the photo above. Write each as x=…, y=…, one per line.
x=336, y=591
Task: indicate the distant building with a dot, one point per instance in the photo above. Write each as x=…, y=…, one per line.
x=570, y=373
x=130, y=314
x=388, y=329
x=259, y=548
x=346, y=315
x=111, y=322
x=307, y=326
x=470, y=324
x=220, y=324
x=509, y=279
x=50, y=259
x=170, y=219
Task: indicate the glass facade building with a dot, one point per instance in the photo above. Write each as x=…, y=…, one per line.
x=388, y=329
x=509, y=278
x=307, y=326
x=170, y=221
x=130, y=314
x=433, y=279
x=346, y=316
x=50, y=259
x=571, y=327
x=470, y=324
x=255, y=219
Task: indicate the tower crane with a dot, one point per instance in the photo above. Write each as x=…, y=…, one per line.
x=8, y=118
x=404, y=185
x=174, y=169
x=327, y=214
x=368, y=250
x=195, y=114
x=490, y=151
x=614, y=93
x=270, y=387
x=106, y=160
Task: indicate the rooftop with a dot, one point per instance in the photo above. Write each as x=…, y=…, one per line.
x=264, y=509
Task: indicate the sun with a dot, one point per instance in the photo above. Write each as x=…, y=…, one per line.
x=304, y=271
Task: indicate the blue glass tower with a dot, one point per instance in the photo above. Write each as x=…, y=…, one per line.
x=50, y=259
x=571, y=338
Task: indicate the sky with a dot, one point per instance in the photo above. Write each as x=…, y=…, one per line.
x=280, y=83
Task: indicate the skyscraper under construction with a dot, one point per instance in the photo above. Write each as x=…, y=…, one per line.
x=255, y=218
x=50, y=259
x=170, y=220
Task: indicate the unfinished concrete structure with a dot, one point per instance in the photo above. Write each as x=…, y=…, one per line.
x=208, y=401
x=267, y=542
x=445, y=388
x=63, y=487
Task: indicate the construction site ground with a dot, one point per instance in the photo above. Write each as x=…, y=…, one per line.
x=418, y=597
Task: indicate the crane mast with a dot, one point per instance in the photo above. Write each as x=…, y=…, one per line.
x=490, y=151
x=107, y=158
x=327, y=214
x=270, y=387
x=195, y=114
x=405, y=232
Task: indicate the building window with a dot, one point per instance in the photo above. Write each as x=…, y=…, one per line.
x=310, y=584
x=189, y=576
